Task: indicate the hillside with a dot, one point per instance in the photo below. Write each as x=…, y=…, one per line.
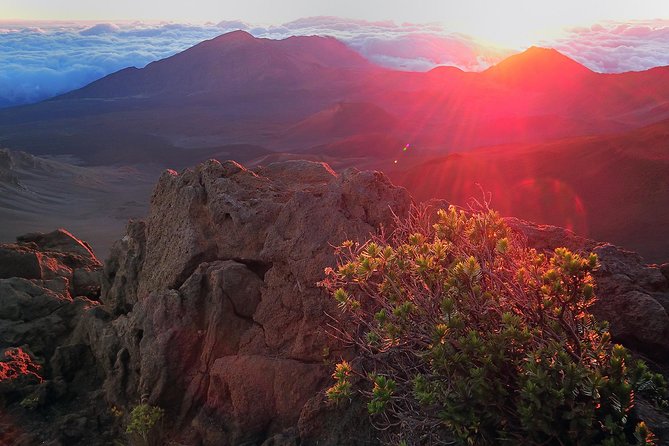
x=608, y=187
x=38, y=194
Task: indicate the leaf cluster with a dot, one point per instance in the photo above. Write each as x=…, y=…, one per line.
x=478, y=340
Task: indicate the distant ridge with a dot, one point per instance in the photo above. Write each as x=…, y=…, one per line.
x=231, y=64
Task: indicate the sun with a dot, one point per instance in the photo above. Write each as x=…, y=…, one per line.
x=516, y=32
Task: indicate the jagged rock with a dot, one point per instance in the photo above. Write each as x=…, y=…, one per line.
x=258, y=394
x=56, y=261
x=46, y=283
x=664, y=268
x=59, y=241
x=227, y=324
x=17, y=261
x=214, y=307
x=33, y=315
x=547, y=237
x=46, y=280
x=8, y=175
x=121, y=270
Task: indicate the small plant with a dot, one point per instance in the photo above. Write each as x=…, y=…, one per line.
x=341, y=390
x=30, y=402
x=474, y=339
x=143, y=419
x=116, y=412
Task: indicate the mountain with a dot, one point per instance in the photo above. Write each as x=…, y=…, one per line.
x=536, y=67
x=343, y=119
x=234, y=65
x=234, y=89
x=552, y=125
x=283, y=95
x=612, y=188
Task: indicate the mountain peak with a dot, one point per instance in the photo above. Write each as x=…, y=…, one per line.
x=232, y=38
x=238, y=35
x=537, y=64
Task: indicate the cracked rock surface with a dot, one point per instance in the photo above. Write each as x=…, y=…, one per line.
x=216, y=312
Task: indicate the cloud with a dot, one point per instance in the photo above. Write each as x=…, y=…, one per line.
x=40, y=60
x=232, y=25
x=99, y=29
x=406, y=46
x=613, y=47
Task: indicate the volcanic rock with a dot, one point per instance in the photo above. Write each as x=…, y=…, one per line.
x=47, y=283
x=631, y=295
x=219, y=317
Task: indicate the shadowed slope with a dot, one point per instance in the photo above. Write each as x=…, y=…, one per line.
x=612, y=188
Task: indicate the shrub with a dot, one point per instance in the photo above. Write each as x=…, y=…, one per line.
x=467, y=336
x=143, y=419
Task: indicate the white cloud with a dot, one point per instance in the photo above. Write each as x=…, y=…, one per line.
x=99, y=29
x=42, y=61
x=406, y=46
x=614, y=47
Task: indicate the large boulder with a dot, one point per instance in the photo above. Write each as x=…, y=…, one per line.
x=45, y=281
x=216, y=313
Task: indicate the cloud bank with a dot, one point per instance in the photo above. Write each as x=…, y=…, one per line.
x=40, y=60
x=611, y=47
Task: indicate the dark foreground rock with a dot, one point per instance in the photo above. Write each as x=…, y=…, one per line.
x=48, y=283
x=209, y=308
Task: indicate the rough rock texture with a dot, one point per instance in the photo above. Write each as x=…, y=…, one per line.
x=210, y=309
x=47, y=282
x=8, y=178
x=217, y=314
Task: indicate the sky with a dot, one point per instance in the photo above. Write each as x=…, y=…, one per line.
x=48, y=47
x=507, y=22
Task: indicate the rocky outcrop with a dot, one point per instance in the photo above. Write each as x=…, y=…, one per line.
x=47, y=283
x=209, y=308
x=216, y=313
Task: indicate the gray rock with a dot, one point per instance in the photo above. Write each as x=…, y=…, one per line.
x=59, y=240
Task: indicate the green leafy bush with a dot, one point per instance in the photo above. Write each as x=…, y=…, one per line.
x=467, y=336
x=143, y=419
